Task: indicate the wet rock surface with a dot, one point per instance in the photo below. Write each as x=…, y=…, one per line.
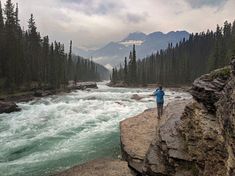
x=8, y=107
x=208, y=88
x=83, y=86
x=136, y=97
x=103, y=167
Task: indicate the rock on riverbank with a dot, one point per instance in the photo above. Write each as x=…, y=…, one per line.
x=8, y=107
x=136, y=136
x=83, y=86
x=102, y=167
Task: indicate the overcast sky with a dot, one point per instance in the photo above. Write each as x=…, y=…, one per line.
x=93, y=23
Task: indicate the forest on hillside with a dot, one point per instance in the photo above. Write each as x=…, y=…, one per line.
x=182, y=63
x=28, y=60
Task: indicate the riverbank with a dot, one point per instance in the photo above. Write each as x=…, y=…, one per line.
x=181, y=88
x=8, y=101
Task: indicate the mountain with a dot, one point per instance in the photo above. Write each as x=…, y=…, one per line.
x=114, y=52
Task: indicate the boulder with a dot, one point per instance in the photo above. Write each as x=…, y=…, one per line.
x=136, y=97
x=8, y=107
x=208, y=88
x=44, y=93
x=100, y=168
x=117, y=84
x=38, y=93
x=136, y=135
x=83, y=86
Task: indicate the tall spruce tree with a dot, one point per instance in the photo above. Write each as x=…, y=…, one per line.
x=10, y=45
x=34, y=50
x=233, y=38
x=125, y=71
x=70, y=62
x=1, y=43
x=134, y=66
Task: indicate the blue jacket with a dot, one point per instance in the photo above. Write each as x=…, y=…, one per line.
x=159, y=96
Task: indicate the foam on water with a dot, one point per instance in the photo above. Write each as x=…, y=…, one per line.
x=57, y=132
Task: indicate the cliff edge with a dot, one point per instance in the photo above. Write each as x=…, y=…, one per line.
x=193, y=138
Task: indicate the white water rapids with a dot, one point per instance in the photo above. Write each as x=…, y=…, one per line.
x=57, y=132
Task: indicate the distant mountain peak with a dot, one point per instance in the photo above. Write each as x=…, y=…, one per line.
x=135, y=36
x=177, y=32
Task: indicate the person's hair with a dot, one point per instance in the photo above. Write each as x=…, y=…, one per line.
x=160, y=87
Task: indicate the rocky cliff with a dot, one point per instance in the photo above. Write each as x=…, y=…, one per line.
x=195, y=137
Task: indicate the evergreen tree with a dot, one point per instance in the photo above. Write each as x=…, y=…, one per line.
x=1, y=18
x=130, y=71
x=125, y=71
x=134, y=66
x=1, y=44
x=34, y=49
x=233, y=38
x=70, y=62
x=10, y=46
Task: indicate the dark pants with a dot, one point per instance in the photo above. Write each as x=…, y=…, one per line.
x=160, y=109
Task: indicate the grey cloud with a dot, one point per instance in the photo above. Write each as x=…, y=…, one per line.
x=201, y=3
x=136, y=18
x=93, y=7
x=93, y=23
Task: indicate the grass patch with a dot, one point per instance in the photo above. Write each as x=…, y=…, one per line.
x=223, y=73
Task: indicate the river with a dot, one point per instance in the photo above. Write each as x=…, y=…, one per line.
x=54, y=133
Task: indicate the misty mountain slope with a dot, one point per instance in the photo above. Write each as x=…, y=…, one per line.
x=114, y=52
x=102, y=71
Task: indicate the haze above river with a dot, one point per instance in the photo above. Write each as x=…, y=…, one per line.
x=54, y=133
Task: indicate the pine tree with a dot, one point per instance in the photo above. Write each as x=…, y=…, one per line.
x=134, y=65
x=10, y=16
x=70, y=63
x=1, y=43
x=34, y=49
x=125, y=71
x=233, y=38
x=10, y=45
x=1, y=19
x=130, y=81
x=17, y=16
x=45, y=60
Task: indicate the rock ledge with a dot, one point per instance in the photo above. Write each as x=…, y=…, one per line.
x=103, y=167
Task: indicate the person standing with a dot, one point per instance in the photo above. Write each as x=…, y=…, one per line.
x=159, y=93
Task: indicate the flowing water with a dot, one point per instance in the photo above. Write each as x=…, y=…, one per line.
x=57, y=132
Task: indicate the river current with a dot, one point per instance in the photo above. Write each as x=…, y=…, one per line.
x=57, y=132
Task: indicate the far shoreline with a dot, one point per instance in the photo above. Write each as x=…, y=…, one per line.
x=172, y=87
